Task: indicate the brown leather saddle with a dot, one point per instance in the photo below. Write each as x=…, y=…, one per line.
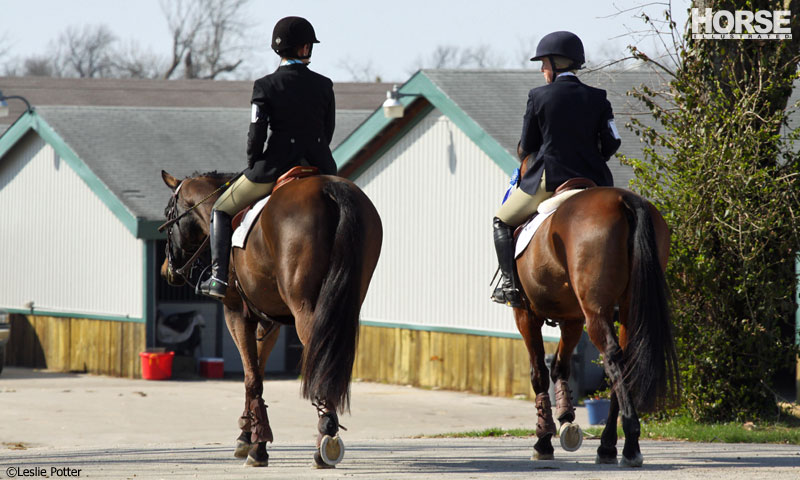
x=293, y=174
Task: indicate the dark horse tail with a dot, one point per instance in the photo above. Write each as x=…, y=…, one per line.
x=651, y=364
x=331, y=349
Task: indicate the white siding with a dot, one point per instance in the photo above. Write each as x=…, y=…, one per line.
x=60, y=246
x=436, y=192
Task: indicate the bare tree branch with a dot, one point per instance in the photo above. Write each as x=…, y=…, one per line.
x=206, y=36
x=184, y=21
x=360, y=71
x=85, y=52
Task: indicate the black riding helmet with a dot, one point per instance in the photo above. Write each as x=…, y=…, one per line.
x=564, y=44
x=290, y=33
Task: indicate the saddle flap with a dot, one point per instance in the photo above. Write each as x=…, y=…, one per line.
x=237, y=219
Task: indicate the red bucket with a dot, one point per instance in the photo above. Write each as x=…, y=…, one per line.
x=156, y=366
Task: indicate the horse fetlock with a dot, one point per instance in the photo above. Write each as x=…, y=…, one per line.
x=606, y=455
x=328, y=424
x=543, y=448
x=631, y=427
x=242, y=445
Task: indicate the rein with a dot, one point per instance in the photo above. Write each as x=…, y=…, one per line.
x=225, y=185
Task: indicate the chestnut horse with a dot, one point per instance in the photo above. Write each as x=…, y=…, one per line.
x=307, y=262
x=603, y=248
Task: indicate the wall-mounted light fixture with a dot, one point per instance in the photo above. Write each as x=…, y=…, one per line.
x=4, y=105
x=392, y=108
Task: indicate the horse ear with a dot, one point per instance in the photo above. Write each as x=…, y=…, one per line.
x=171, y=181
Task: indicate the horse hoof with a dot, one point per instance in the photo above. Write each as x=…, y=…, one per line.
x=634, y=462
x=254, y=462
x=571, y=437
x=319, y=463
x=542, y=456
x=242, y=449
x=331, y=450
x=605, y=460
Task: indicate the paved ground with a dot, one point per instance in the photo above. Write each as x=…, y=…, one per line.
x=56, y=424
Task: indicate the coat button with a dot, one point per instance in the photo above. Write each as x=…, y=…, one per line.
x=291, y=140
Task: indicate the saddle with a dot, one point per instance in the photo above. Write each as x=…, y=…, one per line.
x=562, y=194
x=293, y=174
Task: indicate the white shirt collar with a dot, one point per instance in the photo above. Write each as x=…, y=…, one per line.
x=565, y=73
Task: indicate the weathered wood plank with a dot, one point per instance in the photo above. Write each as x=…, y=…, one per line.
x=487, y=365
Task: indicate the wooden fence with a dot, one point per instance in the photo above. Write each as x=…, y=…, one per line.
x=480, y=364
x=76, y=345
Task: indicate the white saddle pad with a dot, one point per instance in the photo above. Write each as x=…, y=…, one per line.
x=545, y=209
x=528, y=230
x=239, y=237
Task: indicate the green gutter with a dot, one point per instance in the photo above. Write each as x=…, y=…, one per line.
x=49, y=313
x=457, y=330
x=420, y=84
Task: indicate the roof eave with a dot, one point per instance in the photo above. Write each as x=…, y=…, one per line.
x=420, y=85
x=31, y=120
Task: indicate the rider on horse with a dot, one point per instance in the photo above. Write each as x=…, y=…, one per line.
x=569, y=131
x=298, y=106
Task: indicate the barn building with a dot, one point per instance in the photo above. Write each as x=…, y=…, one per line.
x=80, y=177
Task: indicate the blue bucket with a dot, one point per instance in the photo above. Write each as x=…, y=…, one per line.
x=597, y=410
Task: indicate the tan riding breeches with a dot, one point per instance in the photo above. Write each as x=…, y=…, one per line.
x=521, y=205
x=242, y=193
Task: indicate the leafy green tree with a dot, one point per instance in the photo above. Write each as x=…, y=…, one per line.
x=721, y=165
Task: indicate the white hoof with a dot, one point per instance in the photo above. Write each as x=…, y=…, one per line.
x=571, y=436
x=331, y=449
x=633, y=462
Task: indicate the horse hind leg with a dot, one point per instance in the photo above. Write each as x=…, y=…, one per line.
x=603, y=337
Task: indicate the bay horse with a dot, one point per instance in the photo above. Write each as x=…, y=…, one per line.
x=602, y=248
x=307, y=262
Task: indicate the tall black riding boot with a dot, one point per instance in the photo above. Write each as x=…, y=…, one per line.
x=507, y=292
x=220, y=232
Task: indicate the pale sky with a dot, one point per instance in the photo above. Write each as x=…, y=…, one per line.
x=388, y=38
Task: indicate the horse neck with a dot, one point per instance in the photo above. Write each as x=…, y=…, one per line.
x=204, y=209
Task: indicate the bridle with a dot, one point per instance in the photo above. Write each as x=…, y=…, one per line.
x=173, y=218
